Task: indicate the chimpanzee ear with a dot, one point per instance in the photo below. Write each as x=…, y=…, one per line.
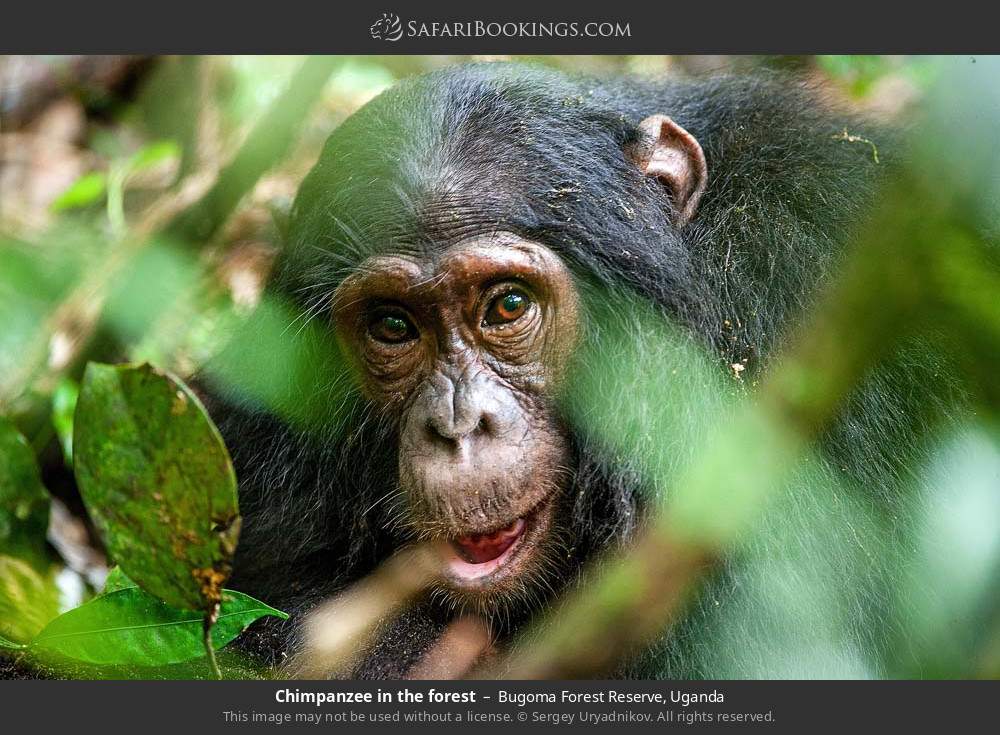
x=671, y=154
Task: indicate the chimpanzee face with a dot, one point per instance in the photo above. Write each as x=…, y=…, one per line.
x=465, y=350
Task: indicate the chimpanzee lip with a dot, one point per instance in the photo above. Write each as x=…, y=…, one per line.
x=466, y=574
x=480, y=548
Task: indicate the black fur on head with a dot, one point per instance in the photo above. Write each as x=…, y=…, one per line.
x=484, y=148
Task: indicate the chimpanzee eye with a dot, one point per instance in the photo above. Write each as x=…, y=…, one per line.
x=392, y=328
x=506, y=308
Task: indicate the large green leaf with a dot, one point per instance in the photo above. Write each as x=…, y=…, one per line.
x=117, y=580
x=4, y=643
x=129, y=627
x=158, y=482
x=29, y=598
x=24, y=503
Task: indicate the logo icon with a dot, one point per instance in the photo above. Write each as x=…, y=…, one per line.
x=387, y=28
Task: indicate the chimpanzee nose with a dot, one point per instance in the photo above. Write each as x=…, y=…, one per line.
x=454, y=430
x=461, y=408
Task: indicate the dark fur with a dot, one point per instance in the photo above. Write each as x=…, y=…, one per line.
x=486, y=147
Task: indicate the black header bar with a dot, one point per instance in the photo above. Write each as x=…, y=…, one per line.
x=439, y=27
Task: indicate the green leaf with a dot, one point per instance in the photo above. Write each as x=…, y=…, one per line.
x=24, y=502
x=86, y=190
x=153, y=154
x=4, y=643
x=116, y=580
x=63, y=405
x=133, y=628
x=28, y=598
x=158, y=482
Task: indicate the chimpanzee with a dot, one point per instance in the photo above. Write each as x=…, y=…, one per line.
x=451, y=240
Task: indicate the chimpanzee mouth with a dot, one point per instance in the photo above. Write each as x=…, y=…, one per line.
x=482, y=548
x=479, y=560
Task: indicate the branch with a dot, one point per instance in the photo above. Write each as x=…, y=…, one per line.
x=267, y=143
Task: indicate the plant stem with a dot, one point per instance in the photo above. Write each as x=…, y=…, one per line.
x=207, y=624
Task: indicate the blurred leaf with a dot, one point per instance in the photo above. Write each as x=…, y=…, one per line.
x=116, y=580
x=28, y=599
x=816, y=576
x=34, y=278
x=952, y=593
x=152, y=155
x=359, y=80
x=147, y=288
x=714, y=504
x=278, y=360
x=24, y=502
x=63, y=406
x=157, y=480
x=129, y=626
x=256, y=81
x=88, y=189
x=633, y=349
x=955, y=154
x=859, y=72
